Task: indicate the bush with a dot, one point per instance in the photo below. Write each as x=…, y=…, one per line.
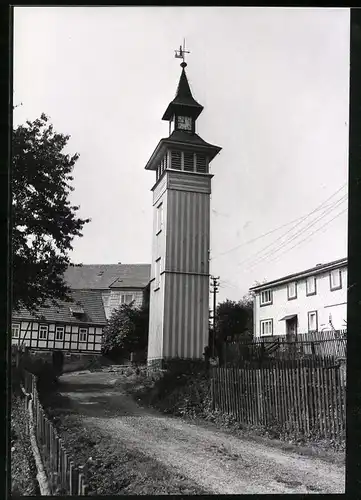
x=182, y=389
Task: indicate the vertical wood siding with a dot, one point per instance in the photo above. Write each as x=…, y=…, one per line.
x=188, y=224
x=186, y=315
x=179, y=310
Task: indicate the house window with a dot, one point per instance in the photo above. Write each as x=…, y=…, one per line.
x=59, y=333
x=335, y=279
x=159, y=217
x=43, y=332
x=15, y=329
x=266, y=297
x=157, y=273
x=311, y=285
x=267, y=327
x=312, y=321
x=83, y=334
x=292, y=290
x=126, y=298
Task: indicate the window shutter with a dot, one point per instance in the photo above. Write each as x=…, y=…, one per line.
x=201, y=163
x=189, y=162
x=176, y=160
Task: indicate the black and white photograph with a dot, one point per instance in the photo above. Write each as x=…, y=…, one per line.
x=179, y=250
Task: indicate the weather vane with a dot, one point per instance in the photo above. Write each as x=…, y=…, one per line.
x=180, y=54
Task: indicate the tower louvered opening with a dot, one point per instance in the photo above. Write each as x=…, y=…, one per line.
x=201, y=164
x=188, y=160
x=176, y=160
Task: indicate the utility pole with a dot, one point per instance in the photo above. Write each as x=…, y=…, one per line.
x=215, y=289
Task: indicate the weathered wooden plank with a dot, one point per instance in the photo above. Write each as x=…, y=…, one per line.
x=335, y=413
x=323, y=403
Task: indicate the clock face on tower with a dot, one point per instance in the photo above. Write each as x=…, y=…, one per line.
x=184, y=123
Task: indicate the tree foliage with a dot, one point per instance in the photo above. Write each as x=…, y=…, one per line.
x=44, y=223
x=127, y=331
x=234, y=319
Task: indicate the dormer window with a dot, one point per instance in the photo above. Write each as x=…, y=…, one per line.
x=76, y=310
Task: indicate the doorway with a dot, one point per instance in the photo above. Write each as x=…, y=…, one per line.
x=291, y=329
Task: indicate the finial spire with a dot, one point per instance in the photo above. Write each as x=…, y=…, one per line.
x=180, y=54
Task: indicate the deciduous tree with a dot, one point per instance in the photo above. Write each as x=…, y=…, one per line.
x=234, y=319
x=127, y=331
x=44, y=223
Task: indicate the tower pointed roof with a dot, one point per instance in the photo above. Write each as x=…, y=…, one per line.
x=183, y=99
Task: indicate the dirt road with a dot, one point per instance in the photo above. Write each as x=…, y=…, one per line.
x=213, y=459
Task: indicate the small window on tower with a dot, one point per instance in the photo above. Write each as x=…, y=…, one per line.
x=189, y=162
x=176, y=160
x=157, y=273
x=159, y=217
x=202, y=164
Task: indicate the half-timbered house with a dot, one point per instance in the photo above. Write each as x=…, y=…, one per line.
x=75, y=326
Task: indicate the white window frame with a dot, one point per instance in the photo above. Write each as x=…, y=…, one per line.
x=83, y=331
x=265, y=302
x=43, y=328
x=160, y=217
x=266, y=324
x=15, y=327
x=59, y=329
x=332, y=286
x=315, y=314
x=289, y=296
x=122, y=298
x=314, y=291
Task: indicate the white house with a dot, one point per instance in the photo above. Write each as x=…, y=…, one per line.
x=311, y=300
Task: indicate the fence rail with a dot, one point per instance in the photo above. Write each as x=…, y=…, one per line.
x=63, y=476
x=308, y=401
x=326, y=346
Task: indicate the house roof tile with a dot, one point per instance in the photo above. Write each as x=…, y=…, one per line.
x=103, y=276
x=90, y=300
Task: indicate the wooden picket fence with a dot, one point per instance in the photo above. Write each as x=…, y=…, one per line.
x=302, y=400
x=64, y=477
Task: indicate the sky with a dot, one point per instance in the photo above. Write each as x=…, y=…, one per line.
x=274, y=83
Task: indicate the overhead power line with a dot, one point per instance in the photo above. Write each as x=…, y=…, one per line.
x=319, y=207
x=295, y=236
x=308, y=237
x=299, y=219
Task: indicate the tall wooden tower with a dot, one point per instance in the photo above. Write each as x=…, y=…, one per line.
x=179, y=296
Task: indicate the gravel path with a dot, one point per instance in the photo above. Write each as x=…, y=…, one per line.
x=217, y=461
